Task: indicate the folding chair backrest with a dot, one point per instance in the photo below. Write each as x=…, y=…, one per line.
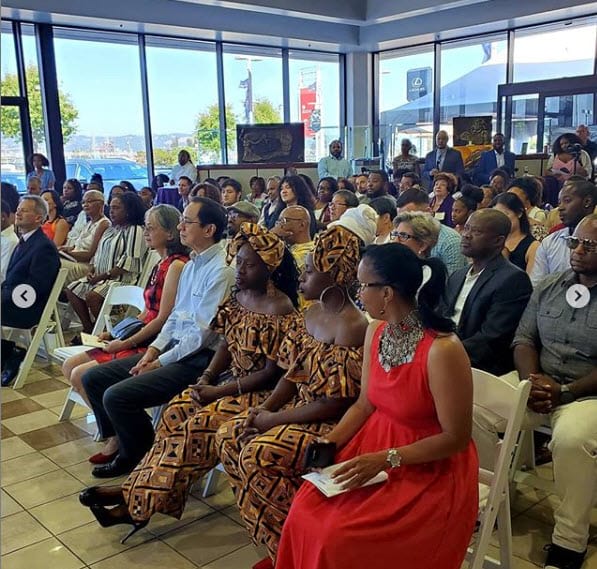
x=54, y=294
x=151, y=260
x=127, y=295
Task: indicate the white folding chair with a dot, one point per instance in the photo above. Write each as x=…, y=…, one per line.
x=48, y=322
x=152, y=258
x=508, y=403
x=126, y=295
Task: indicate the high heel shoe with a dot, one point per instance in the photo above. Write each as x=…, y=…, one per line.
x=93, y=496
x=102, y=515
x=101, y=458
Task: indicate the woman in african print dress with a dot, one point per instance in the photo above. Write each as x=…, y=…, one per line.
x=253, y=323
x=323, y=356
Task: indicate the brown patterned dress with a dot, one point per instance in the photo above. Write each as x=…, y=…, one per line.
x=265, y=474
x=184, y=447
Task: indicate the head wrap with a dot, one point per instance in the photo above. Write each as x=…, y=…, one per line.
x=361, y=220
x=268, y=246
x=337, y=251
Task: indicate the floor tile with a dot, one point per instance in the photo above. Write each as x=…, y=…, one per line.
x=53, y=435
x=529, y=536
x=93, y=543
x=20, y=530
x=154, y=554
x=9, y=394
x=19, y=407
x=44, y=489
x=5, y=433
x=233, y=513
x=223, y=498
x=43, y=386
x=526, y=497
x=14, y=447
x=207, y=539
x=73, y=452
x=8, y=506
x=31, y=421
x=77, y=413
x=63, y=514
x=25, y=467
x=51, y=399
x=194, y=510
x=48, y=553
x=244, y=557
x=82, y=472
x=86, y=423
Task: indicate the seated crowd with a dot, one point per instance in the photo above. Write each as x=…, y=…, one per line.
x=343, y=318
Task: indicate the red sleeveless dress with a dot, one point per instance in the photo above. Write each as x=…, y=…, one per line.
x=422, y=518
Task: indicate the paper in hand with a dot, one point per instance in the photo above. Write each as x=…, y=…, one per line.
x=324, y=482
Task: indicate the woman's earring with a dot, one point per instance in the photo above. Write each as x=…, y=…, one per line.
x=331, y=289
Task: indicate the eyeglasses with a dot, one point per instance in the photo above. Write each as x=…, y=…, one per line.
x=401, y=235
x=589, y=245
x=363, y=286
x=287, y=219
x=186, y=221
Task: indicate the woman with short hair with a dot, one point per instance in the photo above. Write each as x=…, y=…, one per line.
x=417, y=230
x=442, y=202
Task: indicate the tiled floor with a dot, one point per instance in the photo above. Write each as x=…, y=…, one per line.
x=44, y=466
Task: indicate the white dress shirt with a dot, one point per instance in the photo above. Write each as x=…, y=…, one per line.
x=204, y=284
x=8, y=241
x=499, y=159
x=469, y=283
x=187, y=170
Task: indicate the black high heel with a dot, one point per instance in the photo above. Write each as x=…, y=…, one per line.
x=102, y=515
x=92, y=497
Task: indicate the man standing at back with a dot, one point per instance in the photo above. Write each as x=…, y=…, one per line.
x=121, y=390
x=334, y=166
x=442, y=159
x=486, y=301
x=35, y=263
x=490, y=160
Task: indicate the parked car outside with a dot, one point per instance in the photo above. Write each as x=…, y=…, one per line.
x=112, y=170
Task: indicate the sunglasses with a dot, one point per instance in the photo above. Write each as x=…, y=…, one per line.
x=589, y=245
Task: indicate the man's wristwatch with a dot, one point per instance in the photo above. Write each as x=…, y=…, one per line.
x=566, y=396
x=394, y=458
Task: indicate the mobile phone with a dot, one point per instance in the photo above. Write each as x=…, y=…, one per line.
x=320, y=455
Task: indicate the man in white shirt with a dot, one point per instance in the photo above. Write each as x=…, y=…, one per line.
x=184, y=168
x=334, y=166
x=121, y=390
x=8, y=238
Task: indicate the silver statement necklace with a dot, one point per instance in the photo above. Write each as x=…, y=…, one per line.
x=398, y=342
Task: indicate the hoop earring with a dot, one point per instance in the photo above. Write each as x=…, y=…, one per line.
x=326, y=291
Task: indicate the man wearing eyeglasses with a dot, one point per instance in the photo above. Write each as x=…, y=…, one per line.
x=555, y=347
x=121, y=390
x=293, y=227
x=578, y=198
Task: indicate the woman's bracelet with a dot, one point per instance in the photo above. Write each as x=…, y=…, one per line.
x=210, y=375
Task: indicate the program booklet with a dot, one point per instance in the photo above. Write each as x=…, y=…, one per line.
x=92, y=341
x=324, y=482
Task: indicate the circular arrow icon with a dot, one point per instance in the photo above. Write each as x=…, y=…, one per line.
x=24, y=296
x=578, y=296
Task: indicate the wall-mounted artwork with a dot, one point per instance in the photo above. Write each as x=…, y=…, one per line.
x=472, y=130
x=278, y=143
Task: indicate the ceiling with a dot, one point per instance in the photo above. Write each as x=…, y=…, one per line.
x=345, y=25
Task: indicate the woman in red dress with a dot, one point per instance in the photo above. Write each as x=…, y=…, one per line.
x=413, y=420
x=161, y=233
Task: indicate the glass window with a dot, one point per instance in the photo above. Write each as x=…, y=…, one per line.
x=253, y=89
x=315, y=99
x=470, y=74
x=8, y=62
x=406, y=100
x=11, y=148
x=556, y=51
x=99, y=81
x=183, y=101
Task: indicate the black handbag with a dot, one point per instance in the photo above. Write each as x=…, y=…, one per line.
x=126, y=328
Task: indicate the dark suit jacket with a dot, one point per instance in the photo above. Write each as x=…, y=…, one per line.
x=491, y=313
x=488, y=163
x=453, y=164
x=36, y=263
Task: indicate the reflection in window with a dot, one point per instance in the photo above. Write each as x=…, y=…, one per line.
x=406, y=100
x=470, y=75
x=183, y=101
x=101, y=103
x=253, y=89
x=315, y=99
x=553, y=52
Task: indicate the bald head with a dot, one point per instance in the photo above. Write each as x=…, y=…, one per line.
x=484, y=234
x=296, y=222
x=442, y=139
x=583, y=256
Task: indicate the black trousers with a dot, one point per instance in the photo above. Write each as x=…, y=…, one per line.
x=119, y=400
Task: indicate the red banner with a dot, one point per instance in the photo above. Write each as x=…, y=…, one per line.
x=308, y=100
